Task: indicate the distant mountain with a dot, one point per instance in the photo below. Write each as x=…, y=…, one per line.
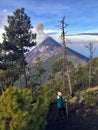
x=50, y=49
x=76, y=57
x=44, y=50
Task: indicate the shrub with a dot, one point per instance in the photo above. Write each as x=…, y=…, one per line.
x=89, y=97
x=14, y=109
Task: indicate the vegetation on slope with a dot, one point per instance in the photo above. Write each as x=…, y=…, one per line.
x=18, y=112
x=15, y=113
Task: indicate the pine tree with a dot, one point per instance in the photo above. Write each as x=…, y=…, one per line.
x=39, y=70
x=14, y=106
x=17, y=40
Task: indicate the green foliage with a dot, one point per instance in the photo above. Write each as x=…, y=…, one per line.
x=81, y=77
x=57, y=66
x=95, y=71
x=89, y=97
x=40, y=109
x=17, y=40
x=15, y=113
x=38, y=71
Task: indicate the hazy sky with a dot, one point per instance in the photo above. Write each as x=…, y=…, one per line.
x=81, y=15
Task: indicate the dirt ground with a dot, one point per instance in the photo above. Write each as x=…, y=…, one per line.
x=79, y=118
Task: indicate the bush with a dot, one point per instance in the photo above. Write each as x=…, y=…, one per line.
x=89, y=97
x=15, y=113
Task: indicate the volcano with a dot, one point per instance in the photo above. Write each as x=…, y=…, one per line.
x=51, y=49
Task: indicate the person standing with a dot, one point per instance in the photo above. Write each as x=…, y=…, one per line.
x=60, y=104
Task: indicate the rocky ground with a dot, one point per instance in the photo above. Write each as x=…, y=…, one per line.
x=79, y=118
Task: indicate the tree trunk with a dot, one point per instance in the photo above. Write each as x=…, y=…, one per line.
x=25, y=77
x=65, y=62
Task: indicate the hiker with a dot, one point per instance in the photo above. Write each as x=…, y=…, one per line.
x=60, y=104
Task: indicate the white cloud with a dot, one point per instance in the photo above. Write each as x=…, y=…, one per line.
x=3, y=21
x=1, y=32
x=3, y=17
x=51, y=32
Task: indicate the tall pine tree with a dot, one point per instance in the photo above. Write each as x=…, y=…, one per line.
x=17, y=40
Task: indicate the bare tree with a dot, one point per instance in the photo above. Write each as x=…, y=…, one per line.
x=91, y=50
x=65, y=61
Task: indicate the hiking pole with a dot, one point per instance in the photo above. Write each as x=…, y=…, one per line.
x=66, y=109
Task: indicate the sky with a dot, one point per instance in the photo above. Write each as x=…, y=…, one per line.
x=80, y=15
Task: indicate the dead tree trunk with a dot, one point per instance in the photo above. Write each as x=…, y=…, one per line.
x=65, y=61
x=90, y=47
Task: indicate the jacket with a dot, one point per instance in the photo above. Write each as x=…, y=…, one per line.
x=60, y=102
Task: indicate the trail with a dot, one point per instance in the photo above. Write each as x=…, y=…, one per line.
x=56, y=122
x=79, y=118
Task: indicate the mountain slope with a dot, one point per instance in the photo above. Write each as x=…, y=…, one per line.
x=44, y=50
x=50, y=49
